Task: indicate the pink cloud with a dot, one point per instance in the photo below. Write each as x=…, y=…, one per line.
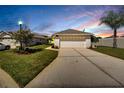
x=75, y=16
x=88, y=24
x=109, y=34
x=104, y=34
x=94, y=21
x=95, y=14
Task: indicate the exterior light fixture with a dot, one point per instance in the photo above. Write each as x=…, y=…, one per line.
x=20, y=22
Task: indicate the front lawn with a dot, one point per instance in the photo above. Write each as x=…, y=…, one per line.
x=23, y=68
x=116, y=52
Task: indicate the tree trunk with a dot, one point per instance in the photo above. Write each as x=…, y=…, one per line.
x=21, y=46
x=115, y=38
x=91, y=45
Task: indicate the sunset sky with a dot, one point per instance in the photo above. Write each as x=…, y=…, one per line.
x=50, y=19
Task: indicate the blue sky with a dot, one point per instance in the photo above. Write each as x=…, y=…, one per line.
x=54, y=18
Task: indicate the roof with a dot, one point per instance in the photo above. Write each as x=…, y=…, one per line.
x=36, y=35
x=2, y=34
x=72, y=31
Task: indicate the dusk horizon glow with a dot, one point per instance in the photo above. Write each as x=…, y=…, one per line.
x=50, y=19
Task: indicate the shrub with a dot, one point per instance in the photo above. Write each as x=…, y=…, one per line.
x=32, y=50
x=56, y=47
x=52, y=46
x=27, y=50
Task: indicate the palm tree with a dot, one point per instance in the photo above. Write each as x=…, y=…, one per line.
x=114, y=21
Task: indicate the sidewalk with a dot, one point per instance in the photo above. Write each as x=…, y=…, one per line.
x=6, y=81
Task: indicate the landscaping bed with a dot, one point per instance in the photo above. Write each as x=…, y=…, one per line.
x=23, y=68
x=116, y=52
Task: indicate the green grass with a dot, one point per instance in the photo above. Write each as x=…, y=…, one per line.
x=40, y=46
x=23, y=68
x=116, y=52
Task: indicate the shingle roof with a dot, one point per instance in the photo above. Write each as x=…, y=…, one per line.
x=2, y=33
x=72, y=31
x=36, y=35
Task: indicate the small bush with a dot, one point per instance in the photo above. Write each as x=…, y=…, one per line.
x=27, y=50
x=33, y=50
x=56, y=47
x=52, y=46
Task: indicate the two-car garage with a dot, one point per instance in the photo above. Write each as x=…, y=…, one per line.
x=72, y=44
x=72, y=38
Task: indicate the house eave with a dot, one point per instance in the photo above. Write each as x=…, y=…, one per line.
x=73, y=34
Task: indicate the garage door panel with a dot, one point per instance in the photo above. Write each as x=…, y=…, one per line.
x=78, y=44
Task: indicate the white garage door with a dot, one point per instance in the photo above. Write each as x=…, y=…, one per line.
x=73, y=44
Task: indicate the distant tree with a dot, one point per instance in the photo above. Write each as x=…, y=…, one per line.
x=114, y=21
x=24, y=37
x=121, y=13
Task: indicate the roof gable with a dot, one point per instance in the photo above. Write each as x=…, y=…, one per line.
x=5, y=34
x=72, y=31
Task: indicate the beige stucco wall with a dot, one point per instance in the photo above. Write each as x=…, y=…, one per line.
x=57, y=42
x=73, y=37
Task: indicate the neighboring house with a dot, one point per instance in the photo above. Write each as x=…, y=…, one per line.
x=7, y=39
x=39, y=39
x=72, y=38
x=112, y=36
x=109, y=42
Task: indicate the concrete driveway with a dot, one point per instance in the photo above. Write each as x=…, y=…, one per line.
x=81, y=68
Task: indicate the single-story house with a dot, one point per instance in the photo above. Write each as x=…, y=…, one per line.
x=7, y=39
x=72, y=38
x=39, y=39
